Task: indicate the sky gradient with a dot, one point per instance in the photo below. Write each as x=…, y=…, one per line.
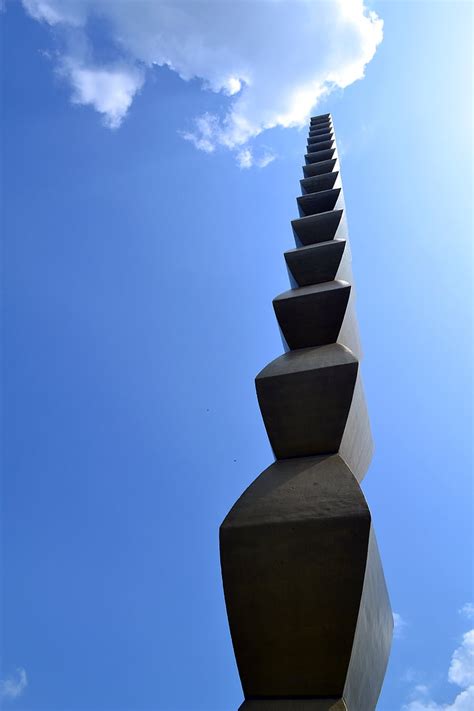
x=138, y=274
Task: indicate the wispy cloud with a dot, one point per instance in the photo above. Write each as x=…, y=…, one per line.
x=463, y=702
x=467, y=610
x=14, y=686
x=272, y=61
x=246, y=159
x=461, y=673
x=410, y=675
x=399, y=626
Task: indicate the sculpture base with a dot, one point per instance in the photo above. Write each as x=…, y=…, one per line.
x=306, y=599
x=293, y=705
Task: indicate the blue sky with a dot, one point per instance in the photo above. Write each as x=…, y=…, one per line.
x=142, y=250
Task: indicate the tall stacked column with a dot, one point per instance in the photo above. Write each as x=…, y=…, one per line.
x=306, y=598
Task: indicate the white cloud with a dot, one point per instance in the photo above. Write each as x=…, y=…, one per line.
x=12, y=687
x=461, y=672
x=467, y=610
x=109, y=90
x=399, y=625
x=275, y=60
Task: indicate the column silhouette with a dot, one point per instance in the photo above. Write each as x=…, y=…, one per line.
x=306, y=598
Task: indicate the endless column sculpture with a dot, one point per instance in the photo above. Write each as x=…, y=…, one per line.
x=306, y=598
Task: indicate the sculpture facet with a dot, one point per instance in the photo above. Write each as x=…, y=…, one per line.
x=305, y=397
x=320, y=168
x=306, y=598
x=326, y=181
x=312, y=315
x=315, y=263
